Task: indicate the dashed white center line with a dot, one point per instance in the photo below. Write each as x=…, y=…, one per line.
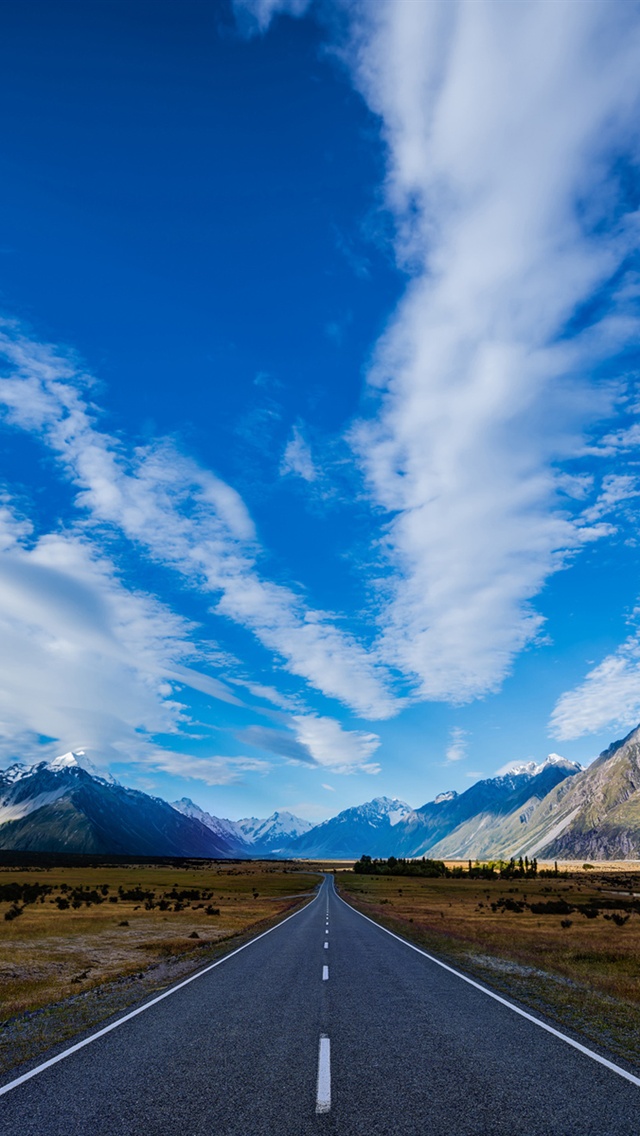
x=326, y=946
x=325, y=973
x=323, y=1093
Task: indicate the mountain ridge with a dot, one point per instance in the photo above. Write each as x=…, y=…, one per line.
x=553, y=809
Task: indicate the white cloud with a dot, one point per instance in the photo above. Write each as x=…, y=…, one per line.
x=84, y=659
x=609, y=696
x=186, y=518
x=315, y=740
x=211, y=770
x=297, y=457
x=457, y=748
x=616, y=488
x=342, y=751
x=256, y=15
x=268, y=694
x=503, y=125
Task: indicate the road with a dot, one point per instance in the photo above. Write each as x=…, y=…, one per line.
x=325, y=1025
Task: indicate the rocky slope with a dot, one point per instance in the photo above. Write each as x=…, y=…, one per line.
x=595, y=816
x=493, y=818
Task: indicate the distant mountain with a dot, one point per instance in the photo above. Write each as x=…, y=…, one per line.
x=228, y=830
x=67, y=806
x=554, y=809
x=453, y=825
x=275, y=834
x=371, y=828
x=251, y=836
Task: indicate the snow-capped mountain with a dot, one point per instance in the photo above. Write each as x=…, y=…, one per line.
x=531, y=767
x=229, y=830
x=369, y=828
x=61, y=806
x=550, y=808
x=77, y=759
x=486, y=819
x=251, y=836
x=275, y=833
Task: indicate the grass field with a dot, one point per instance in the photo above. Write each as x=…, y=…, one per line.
x=89, y=926
x=92, y=941
x=580, y=966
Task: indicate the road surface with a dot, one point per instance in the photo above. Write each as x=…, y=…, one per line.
x=325, y=1025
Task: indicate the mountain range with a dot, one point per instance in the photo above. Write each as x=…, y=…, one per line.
x=554, y=809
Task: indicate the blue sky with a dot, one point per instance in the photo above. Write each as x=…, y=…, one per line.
x=318, y=392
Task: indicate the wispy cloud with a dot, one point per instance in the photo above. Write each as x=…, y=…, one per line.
x=617, y=488
x=297, y=457
x=457, y=748
x=503, y=124
x=256, y=15
x=342, y=751
x=608, y=696
x=508, y=131
x=183, y=517
x=315, y=740
x=84, y=659
x=211, y=770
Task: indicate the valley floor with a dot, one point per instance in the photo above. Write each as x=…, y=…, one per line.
x=87, y=942
x=579, y=966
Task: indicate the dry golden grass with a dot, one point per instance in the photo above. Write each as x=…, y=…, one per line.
x=457, y=913
x=584, y=974
x=48, y=954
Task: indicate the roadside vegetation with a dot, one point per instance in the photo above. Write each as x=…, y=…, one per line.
x=67, y=930
x=564, y=942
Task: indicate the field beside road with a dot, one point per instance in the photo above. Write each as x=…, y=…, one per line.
x=566, y=947
x=78, y=943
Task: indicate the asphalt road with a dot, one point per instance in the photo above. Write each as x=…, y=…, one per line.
x=289, y=1037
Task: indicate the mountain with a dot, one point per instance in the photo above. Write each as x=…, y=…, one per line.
x=452, y=826
x=275, y=834
x=490, y=818
x=251, y=836
x=596, y=815
x=369, y=828
x=553, y=810
x=67, y=806
x=228, y=830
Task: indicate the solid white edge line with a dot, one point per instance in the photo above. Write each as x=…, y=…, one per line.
x=325, y=973
x=323, y=1091
x=141, y=1009
x=503, y=1001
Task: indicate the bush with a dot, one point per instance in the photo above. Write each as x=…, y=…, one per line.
x=552, y=907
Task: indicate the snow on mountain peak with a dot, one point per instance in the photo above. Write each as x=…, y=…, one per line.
x=442, y=797
x=77, y=759
x=279, y=824
x=390, y=807
x=228, y=829
x=534, y=768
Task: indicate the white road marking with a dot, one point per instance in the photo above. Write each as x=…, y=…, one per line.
x=325, y=973
x=504, y=1001
x=141, y=1009
x=323, y=1092
x=326, y=946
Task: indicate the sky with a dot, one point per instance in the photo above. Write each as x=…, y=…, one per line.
x=319, y=392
